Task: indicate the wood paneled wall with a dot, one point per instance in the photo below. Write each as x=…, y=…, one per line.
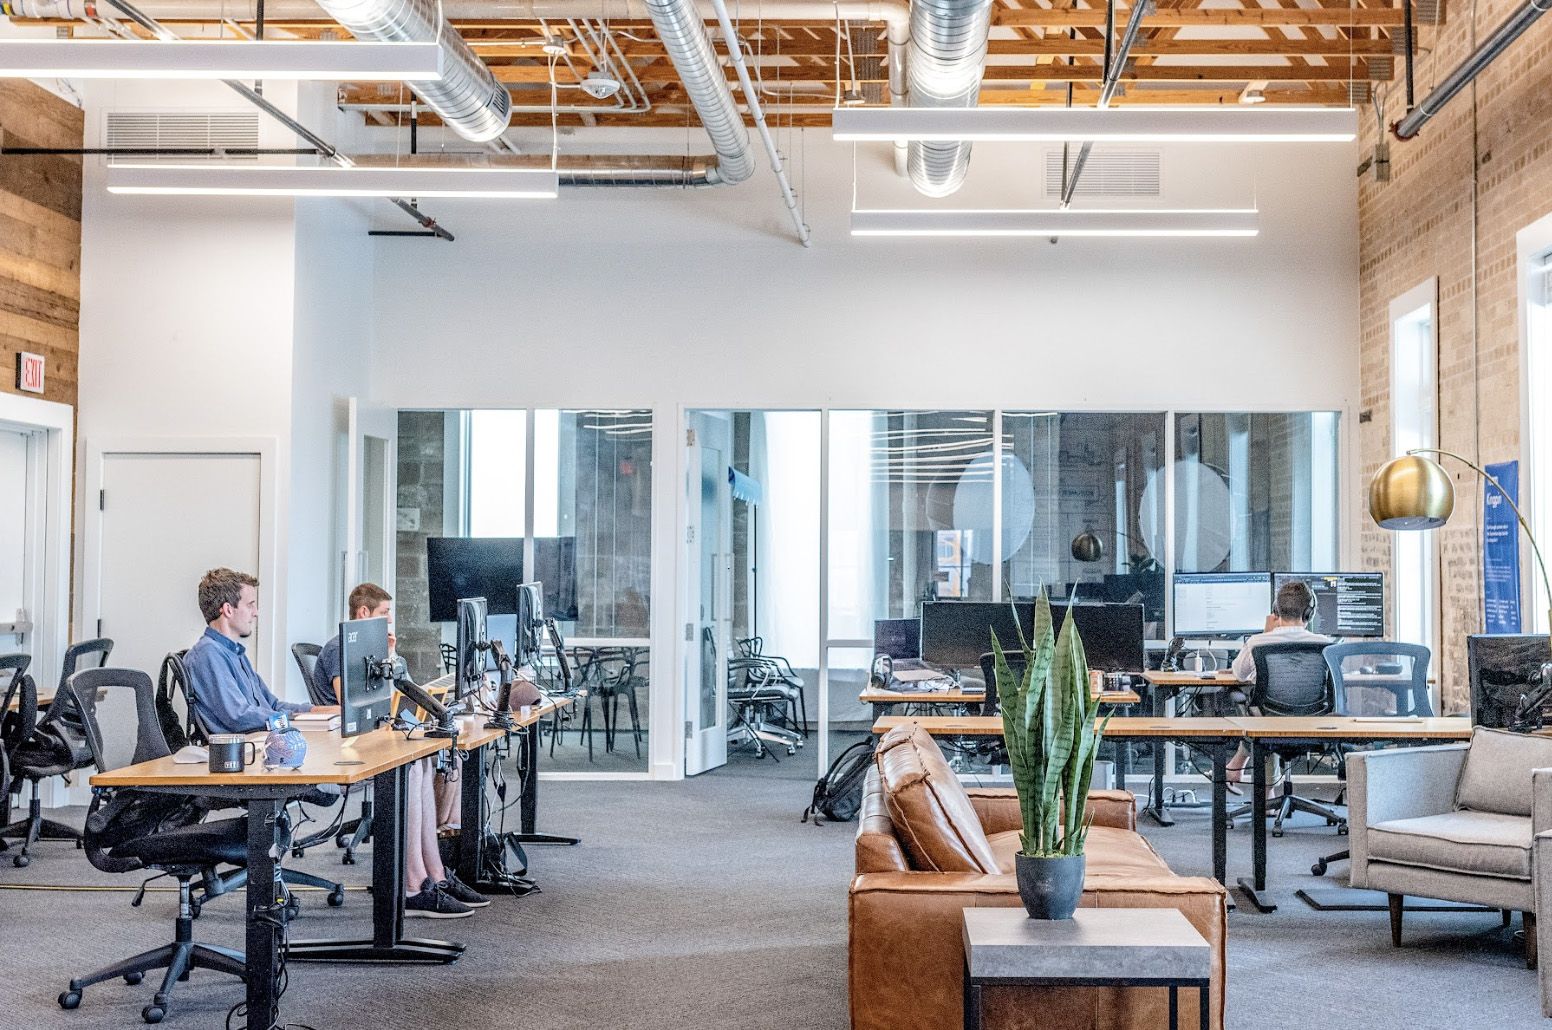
x=40, y=237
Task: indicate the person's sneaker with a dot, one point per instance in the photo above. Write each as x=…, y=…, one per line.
x=434, y=903
x=461, y=891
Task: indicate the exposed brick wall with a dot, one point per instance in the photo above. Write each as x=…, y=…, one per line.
x=1420, y=225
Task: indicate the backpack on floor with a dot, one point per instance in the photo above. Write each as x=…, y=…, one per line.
x=838, y=794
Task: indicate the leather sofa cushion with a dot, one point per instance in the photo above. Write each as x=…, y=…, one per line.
x=1109, y=851
x=932, y=814
x=1474, y=843
x=1497, y=773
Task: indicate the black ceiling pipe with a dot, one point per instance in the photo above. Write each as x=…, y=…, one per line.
x=1470, y=68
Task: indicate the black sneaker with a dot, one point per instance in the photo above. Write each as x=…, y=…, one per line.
x=434, y=903
x=460, y=891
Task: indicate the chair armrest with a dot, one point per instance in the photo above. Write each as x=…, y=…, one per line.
x=1402, y=783
x=1541, y=876
x=1541, y=800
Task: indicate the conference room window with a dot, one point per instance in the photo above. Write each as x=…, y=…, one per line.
x=1256, y=491
x=910, y=514
x=1538, y=416
x=1414, y=423
x=1083, y=507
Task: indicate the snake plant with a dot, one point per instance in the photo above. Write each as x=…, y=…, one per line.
x=1050, y=723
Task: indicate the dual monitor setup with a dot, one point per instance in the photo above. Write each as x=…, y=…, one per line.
x=369, y=676
x=1213, y=605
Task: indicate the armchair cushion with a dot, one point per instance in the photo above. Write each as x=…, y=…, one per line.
x=1473, y=843
x=1498, y=771
x=932, y=814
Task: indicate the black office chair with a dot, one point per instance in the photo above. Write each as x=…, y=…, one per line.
x=1292, y=680
x=18, y=716
x=129, y=829
x=53, y=745
x=85, y=654
x=174, y=682
x=1375, y=677
x=780, y=670
x=449, y=658
x=763, y=707
x=306, y=657
x=616, y=677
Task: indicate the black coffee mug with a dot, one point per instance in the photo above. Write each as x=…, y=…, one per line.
x=229, y=753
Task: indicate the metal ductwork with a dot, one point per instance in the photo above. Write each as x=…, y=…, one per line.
x=645, y=171
x=1470, y=68
x=683, y=33
x=468, y=98
x=948, y=53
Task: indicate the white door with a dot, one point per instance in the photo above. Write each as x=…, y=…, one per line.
x=370, y=497
x=165, y=520
x=709, y=545
x=16, y=503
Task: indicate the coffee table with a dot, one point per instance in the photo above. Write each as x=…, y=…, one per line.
x=1098, y=947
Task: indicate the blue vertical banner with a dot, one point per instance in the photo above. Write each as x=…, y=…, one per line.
x=1501, y=550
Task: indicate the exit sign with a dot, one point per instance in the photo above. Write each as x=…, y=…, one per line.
x=29, y=372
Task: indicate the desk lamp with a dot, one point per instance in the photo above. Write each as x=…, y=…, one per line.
x=1414, y=492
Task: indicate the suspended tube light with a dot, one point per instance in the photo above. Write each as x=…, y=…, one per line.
x=205, y=59
x=1078, y=124
x=217, y=180
x=1055, y=223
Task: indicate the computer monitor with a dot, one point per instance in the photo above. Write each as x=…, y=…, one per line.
x=488, y=567
x=366, y=679
x=530, y=624
x=1111, y=633
x=898, y=638
x=1347, y=604
x=473, y=645
x=1221, y=604
x=957, y=633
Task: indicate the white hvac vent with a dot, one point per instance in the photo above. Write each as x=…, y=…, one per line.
x=197, y=130
x=1108, y=173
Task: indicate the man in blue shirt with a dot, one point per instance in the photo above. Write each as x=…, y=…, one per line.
x=231, y=697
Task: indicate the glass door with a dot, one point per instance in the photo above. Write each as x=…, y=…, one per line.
x=708, y=544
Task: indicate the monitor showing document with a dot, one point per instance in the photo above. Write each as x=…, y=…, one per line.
x=1221, y=604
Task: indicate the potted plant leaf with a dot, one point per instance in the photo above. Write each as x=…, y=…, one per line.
x=1050, y=724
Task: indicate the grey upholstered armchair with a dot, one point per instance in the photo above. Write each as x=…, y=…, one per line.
x=1458, y=823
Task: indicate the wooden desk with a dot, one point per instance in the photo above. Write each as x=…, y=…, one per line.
x=44, y=700
x=1264, y=732
x=379, y=756
x=1166, y=685
x=474, y=739
x=1218, y=738
x=883, y=700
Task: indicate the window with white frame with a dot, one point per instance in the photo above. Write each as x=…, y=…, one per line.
x=1538, y=417
x=1414, y=423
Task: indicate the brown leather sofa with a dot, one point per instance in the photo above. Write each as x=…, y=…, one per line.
x=927, y=848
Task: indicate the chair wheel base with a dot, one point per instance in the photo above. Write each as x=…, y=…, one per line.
x=153, y=1013
x=69, y=999
x=22, y=861
x=133, y=978
x=1318, y=869
x=337, y=898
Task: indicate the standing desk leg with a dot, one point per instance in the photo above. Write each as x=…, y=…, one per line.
x=1157, y=810
x=528, y=803
x=1174, y=1007
x=1255, y=888
x=388, y=943
x=1123, y=762
x=1220, y=811
x=265, y=904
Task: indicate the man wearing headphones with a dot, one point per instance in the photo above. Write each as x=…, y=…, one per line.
x=1288, y=623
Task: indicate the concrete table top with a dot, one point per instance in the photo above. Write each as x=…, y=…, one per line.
x=1097, y=943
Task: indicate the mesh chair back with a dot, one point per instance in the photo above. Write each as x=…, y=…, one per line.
x=85, y=654
x=177, y=678
x=1377, y=677
x=87, y=690
x=22, y=692
x=306, y=657
x=449, y=657
x=1292, y=679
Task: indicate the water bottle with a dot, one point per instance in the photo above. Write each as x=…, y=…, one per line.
x=285, y=747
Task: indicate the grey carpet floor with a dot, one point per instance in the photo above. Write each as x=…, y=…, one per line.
x=706, y=904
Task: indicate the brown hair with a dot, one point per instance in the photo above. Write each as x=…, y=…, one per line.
x=221, y=587
x=368, y=596
x=1295, y=600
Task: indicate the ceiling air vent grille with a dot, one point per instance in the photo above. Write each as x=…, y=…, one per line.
x=1108, y=173
x=164, y=130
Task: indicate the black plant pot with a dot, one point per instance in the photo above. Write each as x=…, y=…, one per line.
x=1049, y=887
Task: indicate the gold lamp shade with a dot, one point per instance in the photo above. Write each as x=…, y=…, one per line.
x=1411, y=492
x=1088, y=547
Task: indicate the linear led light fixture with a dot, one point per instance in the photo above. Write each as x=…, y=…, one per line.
x=1054, y=222
x=208, y=59
x=1111, y=125
x=219, y=180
